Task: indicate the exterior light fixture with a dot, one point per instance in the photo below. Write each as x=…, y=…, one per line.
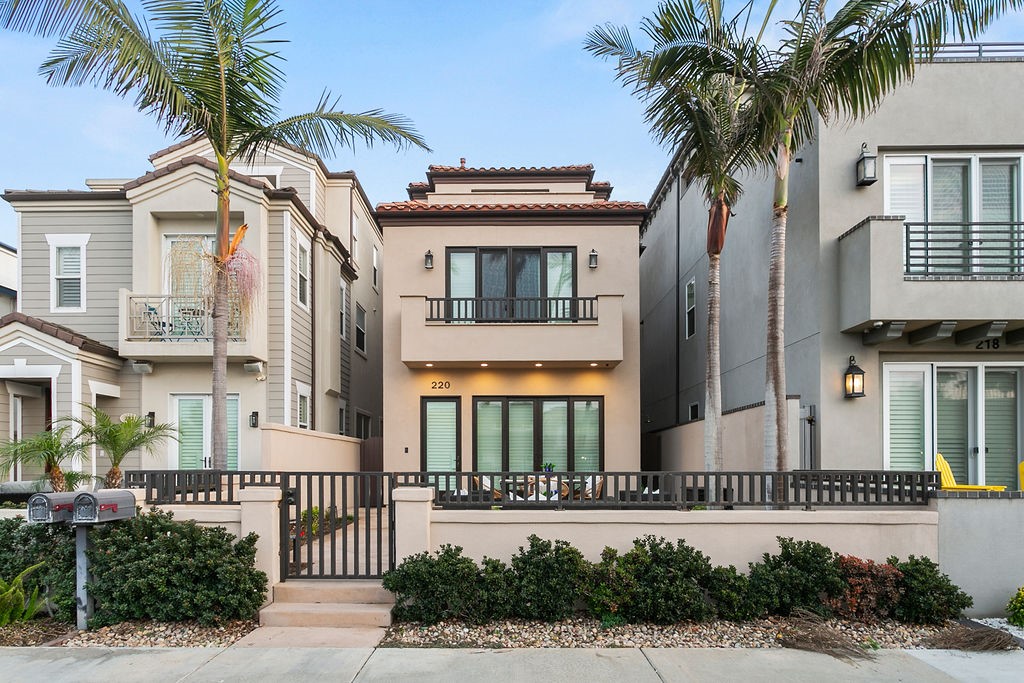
x=150, y=419
x=429, y=365
x=428, y=260
x=538, y=365
x=254, y=419
x=483, y=365
x=867, y=167
x=593, y=365
x=853, y=380
x=593, y=258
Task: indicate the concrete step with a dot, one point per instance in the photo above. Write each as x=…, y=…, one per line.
x=362, y=591
x=324, y=615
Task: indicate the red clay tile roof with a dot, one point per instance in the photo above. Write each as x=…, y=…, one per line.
x=65, y=334
x=423, y=207
x=512, y=170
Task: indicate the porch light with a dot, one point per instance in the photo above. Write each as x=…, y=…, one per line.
x=538, y=365
x=428, y=260
x=483, y=365
x=854, y=380
x=867, y=167
x=593, y=365
x=593, y=258
x=429, y=365
x=150, y=419
x=254, y=419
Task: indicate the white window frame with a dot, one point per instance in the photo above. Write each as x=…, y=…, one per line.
x=300, y=276
x=376, y=268
x=79, y=240
x=690, y=331
x=929, y=412
x=342, y=318
x=172, y=448
x=209, y=242
x=360, y=329
x=303, y=391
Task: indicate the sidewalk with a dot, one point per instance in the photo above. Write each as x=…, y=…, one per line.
x=160, y=665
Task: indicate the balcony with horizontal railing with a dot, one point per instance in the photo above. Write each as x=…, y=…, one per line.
x=518, y=331
x=166, y=325
x=964, y=52
x=892, y=270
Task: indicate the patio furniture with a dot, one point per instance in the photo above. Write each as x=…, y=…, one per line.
x=948, y=481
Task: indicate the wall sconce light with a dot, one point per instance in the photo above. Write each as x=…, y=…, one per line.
x=254, y=419
x=428, y=260
x=867, y=167
x=150, y=420
x=853, y=379
x=593, y=258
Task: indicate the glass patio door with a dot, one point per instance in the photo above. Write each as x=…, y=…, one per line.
x=1002, y=410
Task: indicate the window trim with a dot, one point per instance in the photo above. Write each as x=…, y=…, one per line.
x=362, y=414
x=300, y=276
x=303, y=391
x=80, y=240
x=172, y=448
x=538, y=432
x=424, y=400
x=342, y=417
x=690, y=330
x=362, y=329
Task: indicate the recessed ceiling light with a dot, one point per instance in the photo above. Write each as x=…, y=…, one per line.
x=430, y=365
x=593, y=365
x=483, y=365
x=538, y=365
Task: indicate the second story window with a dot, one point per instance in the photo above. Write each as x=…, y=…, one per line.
x=512, y=283
x=67, y=272
x=360, y=328
x=303, y=272
x=691, y=308
x=342, y=320
x=376, y=267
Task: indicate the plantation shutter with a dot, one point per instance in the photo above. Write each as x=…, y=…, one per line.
x=1001, y=411
x=442, y=435
x=999, y=204
x=556, y=434
x=69, y=277
x=232, y=432
x=906, y=185
x=906, y=420
x=951, y=420
x=520, y=436
x=586, y=436
x=191, y=425
x=488, y=436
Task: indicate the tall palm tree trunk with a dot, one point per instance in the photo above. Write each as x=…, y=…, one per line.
x=718, y=220
x=776, y=442
x=219, y=315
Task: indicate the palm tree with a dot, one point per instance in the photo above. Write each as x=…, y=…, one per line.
x=709, y=123
x=212, y=70
x=51, y=449
x=118, y=438
x=824, y=69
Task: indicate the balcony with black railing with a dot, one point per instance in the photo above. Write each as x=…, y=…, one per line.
x=916, y=273
x=512, y=331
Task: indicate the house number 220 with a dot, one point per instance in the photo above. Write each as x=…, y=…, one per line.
x=440, y=384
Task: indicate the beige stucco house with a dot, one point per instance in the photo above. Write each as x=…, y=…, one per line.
x=511, y=327
x=918, y=276
x=105, y=319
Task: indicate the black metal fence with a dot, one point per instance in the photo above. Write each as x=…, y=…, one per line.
x=543, y=309
x=675, y=490
x=940, y=248
x=197, y=487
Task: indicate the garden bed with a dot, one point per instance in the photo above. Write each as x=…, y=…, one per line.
x=34, y=632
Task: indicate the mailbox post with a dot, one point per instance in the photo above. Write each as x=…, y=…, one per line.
x=81, y=510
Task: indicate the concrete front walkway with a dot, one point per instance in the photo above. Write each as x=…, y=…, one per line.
x=171, y=665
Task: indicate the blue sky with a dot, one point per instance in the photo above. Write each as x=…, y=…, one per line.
x=500, y=83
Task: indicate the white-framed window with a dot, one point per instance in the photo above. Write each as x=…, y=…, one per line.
x=360, y=328
x=303, y=405
x=376, y=266
x=193, y=415
x=342, y=319
x=691, y=308
x=67, y=272
x=303, y=275
x=963, y=211
x=971, y=412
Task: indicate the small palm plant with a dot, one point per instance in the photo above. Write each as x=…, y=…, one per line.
x=117, y=438
x=51, y=450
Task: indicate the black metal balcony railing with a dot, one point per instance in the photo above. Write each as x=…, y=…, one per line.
x=990, y=248
x=542, y=309
x=165, y=317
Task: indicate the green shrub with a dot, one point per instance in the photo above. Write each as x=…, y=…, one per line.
x=23, y=545
x=607, y=588
x=152, y=567
x=729, y=592
x=429, y=588
x=497, y=592
x=1015, y=608
x=668, y=582
x=927, y=596
x=872, y=590
x=804, y=574
x=13, y=605
x=548, y=578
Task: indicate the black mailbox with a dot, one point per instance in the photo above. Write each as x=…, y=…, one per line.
x=103, y=506
x=50, y=508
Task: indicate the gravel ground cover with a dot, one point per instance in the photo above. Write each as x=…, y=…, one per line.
x=157, y=634
x=35, y=632
x=589, y=633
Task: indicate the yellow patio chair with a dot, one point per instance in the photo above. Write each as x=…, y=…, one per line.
x=949, y=482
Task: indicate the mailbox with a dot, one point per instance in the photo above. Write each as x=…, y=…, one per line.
x=50, y=508
x=103, y=506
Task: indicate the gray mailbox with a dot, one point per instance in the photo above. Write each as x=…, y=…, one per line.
x=50, y=508
x=103, y=506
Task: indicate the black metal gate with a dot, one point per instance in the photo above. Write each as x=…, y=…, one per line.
x=336, y=525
